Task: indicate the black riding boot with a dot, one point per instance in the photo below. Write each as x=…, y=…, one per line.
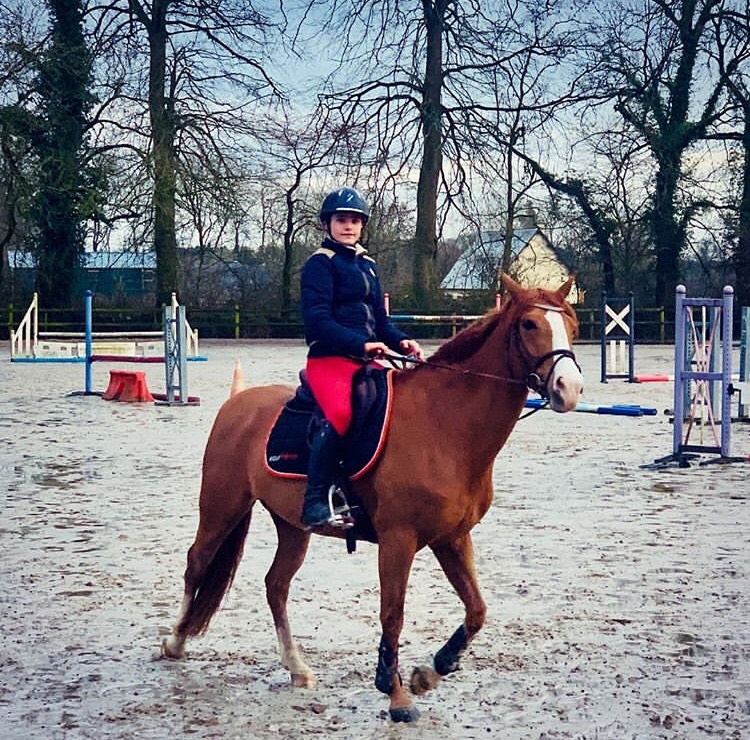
x=324, y=456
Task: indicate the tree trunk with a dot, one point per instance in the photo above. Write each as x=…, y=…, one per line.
x=63, y=86
x=425, y=236
x=286, y=270
x=667, y=233
x=510, y=210
x=161, y=111
x=742, y=249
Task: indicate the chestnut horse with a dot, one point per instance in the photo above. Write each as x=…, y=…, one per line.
x=432, y=483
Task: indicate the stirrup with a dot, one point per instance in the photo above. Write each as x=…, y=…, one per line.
x=341, y=512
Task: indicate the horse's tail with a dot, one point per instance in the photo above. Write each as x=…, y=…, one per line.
x=216, y=581
x=238, y=383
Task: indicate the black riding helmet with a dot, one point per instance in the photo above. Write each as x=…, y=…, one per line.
x=347, y=200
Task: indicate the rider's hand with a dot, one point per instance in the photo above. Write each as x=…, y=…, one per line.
x=411, y=347
x=375, y=349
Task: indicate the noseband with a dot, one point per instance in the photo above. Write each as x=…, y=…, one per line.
x=534, y=380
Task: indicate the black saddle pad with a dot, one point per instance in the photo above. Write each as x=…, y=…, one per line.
x=288, y=446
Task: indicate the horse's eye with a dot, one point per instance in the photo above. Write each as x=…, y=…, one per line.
x=528, y=324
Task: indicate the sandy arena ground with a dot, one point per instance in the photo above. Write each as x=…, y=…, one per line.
x=617, y=596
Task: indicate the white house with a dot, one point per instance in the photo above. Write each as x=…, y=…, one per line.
x=535, y=263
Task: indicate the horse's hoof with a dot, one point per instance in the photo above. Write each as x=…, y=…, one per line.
x=172, y=651
x=303, y=680
x=404, y=714
x=423, y=679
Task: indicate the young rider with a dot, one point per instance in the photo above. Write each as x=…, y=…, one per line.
x=345, y=321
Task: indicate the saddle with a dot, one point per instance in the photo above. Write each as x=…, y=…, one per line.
x=288, y=445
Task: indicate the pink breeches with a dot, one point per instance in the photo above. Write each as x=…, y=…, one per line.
x=330, y=379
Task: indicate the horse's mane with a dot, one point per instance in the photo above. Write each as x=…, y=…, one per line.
x=472, y=337
x=469, y=339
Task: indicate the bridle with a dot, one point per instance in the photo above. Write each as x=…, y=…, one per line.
x=534, y=380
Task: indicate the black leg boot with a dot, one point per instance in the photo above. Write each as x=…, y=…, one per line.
x=324, y=456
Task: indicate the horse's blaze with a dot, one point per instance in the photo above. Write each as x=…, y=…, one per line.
x=565, y=385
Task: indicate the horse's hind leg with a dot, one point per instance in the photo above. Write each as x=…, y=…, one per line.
x=290, y=554
x=457, y=560
x=211, y=564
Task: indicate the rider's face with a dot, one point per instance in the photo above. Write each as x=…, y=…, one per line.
x=346, y=227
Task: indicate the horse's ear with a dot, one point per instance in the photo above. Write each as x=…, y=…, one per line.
x=564, y=289
x=511, y=285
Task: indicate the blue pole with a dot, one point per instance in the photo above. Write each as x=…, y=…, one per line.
x=87, y=301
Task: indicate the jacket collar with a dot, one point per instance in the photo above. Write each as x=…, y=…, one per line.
x=356, y=251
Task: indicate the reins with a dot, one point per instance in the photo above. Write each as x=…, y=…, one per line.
x=399, y=362
x=533, y=380
x=402, y=360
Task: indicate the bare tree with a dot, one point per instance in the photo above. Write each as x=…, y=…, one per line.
x=22, y=34
x=731, y=50
x=63, y=86
x=203, y=77
x=741, y=255
x=421, y=78
x=295, y=150
x=652, y=60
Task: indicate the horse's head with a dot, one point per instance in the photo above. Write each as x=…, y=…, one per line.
x=544, y=328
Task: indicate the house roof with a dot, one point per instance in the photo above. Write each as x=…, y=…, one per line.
x=93, y=260
x=470, y=272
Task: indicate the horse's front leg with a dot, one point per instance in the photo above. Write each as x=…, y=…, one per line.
x=395, y=556
x=457, y=560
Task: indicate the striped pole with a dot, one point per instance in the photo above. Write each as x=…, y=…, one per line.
x=744, y=407
x=726, y=368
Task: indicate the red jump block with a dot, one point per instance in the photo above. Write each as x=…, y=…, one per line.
x=127, y=385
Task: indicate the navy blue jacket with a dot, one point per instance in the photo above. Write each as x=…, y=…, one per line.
x=342, y=304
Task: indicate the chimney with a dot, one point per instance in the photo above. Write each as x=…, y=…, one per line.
x=525, y=217
x=525, y=220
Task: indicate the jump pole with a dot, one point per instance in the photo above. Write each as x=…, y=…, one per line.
x=28, y=344
x=453, y=319
x=175, y=358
